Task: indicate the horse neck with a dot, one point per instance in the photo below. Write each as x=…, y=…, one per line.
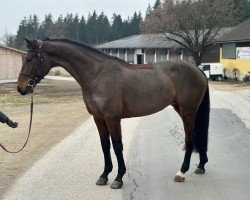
x=82, y=64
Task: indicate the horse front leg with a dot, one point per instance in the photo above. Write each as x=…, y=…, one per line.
x=114, y=126
x=105, y=142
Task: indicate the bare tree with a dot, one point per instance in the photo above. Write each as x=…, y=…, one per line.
x=193, y=24
x=8, y=39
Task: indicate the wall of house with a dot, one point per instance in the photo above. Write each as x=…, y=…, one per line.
x=150, y=55
x=10, y=63
x=212, y=55
x=243, y=65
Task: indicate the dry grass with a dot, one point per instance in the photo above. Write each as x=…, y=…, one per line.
x=58, y=110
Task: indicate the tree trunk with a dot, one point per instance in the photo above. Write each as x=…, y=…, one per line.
x=197, y=58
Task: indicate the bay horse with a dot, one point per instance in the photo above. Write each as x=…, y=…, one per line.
x=114, y=89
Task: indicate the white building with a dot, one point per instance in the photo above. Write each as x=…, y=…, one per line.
x=139, y=49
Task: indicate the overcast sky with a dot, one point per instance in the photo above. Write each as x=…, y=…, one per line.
x=13, y=11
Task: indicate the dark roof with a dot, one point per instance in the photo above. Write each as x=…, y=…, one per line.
x=241, y=33
x=137, y=41
x=145, y=41
x=12, y=49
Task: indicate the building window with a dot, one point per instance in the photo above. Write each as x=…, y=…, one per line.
x=107, y=51
x=114, y=52
x=122, y=53
x=229, y=50
x=150, y=56
x=175, y=54
x=161, y=55
x=130, y=55
x=215, y=49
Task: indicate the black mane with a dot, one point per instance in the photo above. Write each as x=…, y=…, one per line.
x=87, y=47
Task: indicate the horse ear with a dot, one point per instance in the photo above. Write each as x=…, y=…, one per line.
x=31, y=44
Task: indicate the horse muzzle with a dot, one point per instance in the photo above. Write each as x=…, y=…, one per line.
x=28, y=89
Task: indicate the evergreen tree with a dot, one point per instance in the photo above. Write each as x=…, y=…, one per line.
x=117, y=27
x=126, y=27
x=149, y=10
x=21, y=33
x=92, y=24
x=72, y=27
x=68, y=21
x=97, y=29
x=33, y=26
x=75, y=28
x=82, y=30
x=58, y=29
x=103, y=28
x=157, y=4
x=243, y=9
x=135, y=24
x=247, y=9
x=46, y=27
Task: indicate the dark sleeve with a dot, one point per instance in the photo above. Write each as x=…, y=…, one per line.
x=3, y=117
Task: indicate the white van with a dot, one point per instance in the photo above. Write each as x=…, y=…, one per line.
x=212, y=70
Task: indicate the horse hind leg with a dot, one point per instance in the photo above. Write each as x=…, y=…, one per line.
x=203, y=160
x=201, y=147
x=188, y=121
x=201, y=131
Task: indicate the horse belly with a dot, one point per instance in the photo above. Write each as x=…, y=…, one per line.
x=145, y=105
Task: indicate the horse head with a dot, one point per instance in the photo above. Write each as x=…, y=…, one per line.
x=36, y=65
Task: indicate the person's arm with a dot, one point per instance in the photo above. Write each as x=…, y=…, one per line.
x=5, y=119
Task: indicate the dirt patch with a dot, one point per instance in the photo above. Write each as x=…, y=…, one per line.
x=232, y=96
x=229, y=86
x=58, y=111
x=242, y=90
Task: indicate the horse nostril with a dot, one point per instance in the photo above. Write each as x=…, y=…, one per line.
x=20, y=91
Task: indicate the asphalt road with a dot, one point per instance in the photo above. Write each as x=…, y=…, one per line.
x=69, y=170
x=155, y=157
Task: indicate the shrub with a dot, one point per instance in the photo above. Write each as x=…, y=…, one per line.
x=225, y=73
x=235, y=73
x=246, y=78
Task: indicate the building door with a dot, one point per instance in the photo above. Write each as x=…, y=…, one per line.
x=140, y=58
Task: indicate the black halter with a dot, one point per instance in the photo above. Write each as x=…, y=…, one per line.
x=37, y=74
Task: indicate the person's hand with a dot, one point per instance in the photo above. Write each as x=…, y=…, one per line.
x=11, y=124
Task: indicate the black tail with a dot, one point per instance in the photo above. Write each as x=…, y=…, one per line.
x=202, y=124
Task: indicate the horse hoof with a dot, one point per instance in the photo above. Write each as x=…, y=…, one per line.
x=102, y=181
x=116, y=185
x=178, y=178
x=199, y=171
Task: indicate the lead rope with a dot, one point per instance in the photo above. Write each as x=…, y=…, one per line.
x=31, y=116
